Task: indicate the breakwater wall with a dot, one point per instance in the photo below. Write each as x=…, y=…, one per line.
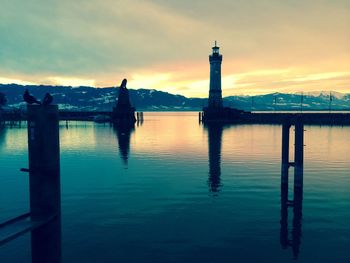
x=240, y=117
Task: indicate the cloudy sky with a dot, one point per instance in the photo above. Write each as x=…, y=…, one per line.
x=267, y=45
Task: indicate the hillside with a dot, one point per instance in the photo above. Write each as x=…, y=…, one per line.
x=103, y=99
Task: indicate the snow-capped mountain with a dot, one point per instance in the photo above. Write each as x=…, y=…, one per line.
x=103, y=99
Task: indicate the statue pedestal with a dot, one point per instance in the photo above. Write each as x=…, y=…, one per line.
x=123, y=115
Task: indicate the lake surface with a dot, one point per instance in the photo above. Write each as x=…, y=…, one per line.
x=172, y=190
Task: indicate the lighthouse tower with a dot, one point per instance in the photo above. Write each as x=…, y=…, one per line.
x=216, y=112
x=215, y=94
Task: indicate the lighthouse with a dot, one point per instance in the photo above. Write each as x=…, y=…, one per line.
x=215, y=94
x=216, y=112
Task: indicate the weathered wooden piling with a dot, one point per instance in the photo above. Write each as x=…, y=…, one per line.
x=44, y=187
x=44, y=182
x=285, y=151
x=46, y=242
x=296, y=203
x=284, y=240
x=44, y=161
x=299, y=153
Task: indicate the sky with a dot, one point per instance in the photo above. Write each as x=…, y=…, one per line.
x=267, y=45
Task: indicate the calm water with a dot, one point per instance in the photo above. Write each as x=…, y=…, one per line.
x=172, y=190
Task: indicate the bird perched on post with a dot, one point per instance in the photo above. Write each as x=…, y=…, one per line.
x=29, y=98
x=47, y=100
x=123, y=85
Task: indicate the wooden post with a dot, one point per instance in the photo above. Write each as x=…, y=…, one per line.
x=285, y=152
x=295, y=240
x=44, y=161
x=297, y=211
x=284, y=184
x=46, y=242
x=298, y=185
x=44, y=182
x=284, y=216
x=299, y=153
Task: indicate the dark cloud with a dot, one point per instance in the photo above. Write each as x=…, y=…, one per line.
x=94, y=39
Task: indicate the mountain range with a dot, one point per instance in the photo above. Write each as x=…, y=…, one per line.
x=103, y=99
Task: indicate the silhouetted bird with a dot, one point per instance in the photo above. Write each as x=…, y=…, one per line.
x=123, y=85
x=47, y=100
x=29, y=98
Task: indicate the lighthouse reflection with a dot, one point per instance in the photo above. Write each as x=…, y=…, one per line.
x=215, y=131
x=123, y=132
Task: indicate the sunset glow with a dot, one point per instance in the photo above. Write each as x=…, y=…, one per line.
x=267, y=46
